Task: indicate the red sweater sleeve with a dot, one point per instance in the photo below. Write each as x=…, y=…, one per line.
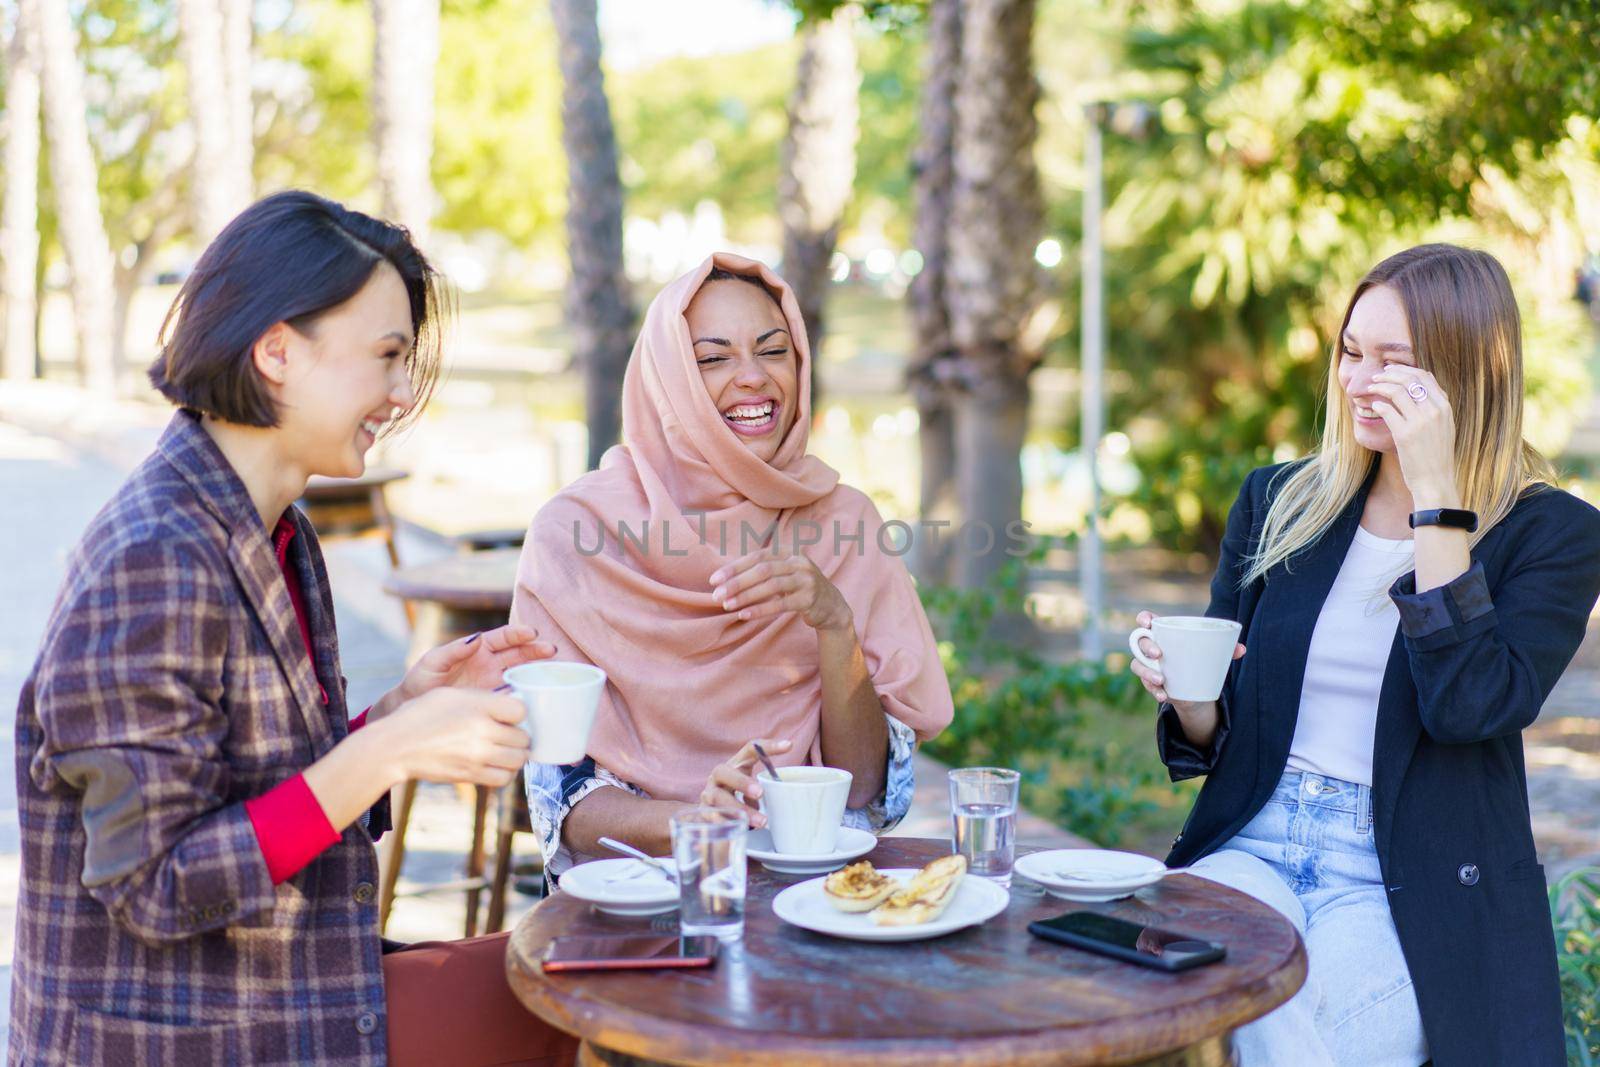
x=291, y=827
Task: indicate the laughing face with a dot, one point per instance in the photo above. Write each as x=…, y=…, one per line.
x=747, y=360
x=1376, y=337
x=346, y=377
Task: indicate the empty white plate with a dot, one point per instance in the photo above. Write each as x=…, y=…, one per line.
x=622, y=887
x=806, y=905
x=850, y=844
x=1090, y=875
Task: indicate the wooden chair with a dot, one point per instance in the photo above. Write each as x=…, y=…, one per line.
x=511, y=818
x=455, y=596
x=354, y=509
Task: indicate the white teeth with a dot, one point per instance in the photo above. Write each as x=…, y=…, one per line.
x=752, y=412
x=372, y=426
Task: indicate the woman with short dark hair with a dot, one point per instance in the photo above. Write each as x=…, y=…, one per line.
x=1409, y=595
x=197, y=809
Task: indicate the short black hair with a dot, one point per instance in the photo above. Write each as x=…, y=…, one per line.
x=289, y=257
x=723, y=274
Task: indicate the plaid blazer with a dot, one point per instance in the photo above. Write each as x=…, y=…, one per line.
x=172, y=686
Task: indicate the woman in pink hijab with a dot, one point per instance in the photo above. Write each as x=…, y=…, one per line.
x=730, y=587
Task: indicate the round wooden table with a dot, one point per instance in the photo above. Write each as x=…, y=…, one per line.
x=992, y=994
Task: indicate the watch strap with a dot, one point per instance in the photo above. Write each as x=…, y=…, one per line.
x=1455, y=518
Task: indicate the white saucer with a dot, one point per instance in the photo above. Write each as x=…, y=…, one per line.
x=806, y=905
x=851, y=843
x=1090, y=875
x=622, y=887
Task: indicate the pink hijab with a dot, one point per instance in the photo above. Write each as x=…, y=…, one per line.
x=690, y=683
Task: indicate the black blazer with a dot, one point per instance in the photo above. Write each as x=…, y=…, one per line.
x=1471, y=666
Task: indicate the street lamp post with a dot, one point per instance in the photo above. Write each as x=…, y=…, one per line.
x=1092, y=372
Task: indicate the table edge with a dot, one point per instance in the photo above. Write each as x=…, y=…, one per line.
x=650, y=1037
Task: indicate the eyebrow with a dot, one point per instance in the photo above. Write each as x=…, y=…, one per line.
x=403, y=338
x=1386, y=346
x=724, y=341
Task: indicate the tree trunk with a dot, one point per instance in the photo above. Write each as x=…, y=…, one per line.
x=819, y=165
x=933, y=355
x=405, y=55
x=128, y=276
x=219, y=192
x=991, y=420
x=19, y=241
x=238, y=37
x=996, y=219
x=74, y=175
x=599, y=310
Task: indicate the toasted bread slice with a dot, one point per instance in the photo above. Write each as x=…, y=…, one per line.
x=858, y=887
x=926, y=896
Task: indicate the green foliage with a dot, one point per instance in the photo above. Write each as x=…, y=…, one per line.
x=1575, y=910
x=1060, y=724
x=497, y=160
x=696, y=129
x=710, y=129
x=1295, y=148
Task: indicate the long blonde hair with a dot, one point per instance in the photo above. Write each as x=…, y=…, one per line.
x=1467, y=333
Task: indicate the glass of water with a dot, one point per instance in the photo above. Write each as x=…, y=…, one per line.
x=708, y=845
x=983, y=811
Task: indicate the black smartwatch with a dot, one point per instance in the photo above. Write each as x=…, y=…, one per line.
x=1455, y=518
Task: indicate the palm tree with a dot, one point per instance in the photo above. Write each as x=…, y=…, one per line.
x=216, y=188
x=599, y=310
x=19, y=241
x=405, y=55
x=995, y=221
x=74, y=176
x=934, y=352
x=238, y=34
x=819, y=162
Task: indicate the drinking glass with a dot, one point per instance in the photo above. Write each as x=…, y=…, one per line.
x=708, y=845
x=983, y=812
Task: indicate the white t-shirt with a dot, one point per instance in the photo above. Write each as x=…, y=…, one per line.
x=1344, y=667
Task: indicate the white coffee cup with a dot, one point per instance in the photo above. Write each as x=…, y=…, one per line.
x=1195, y=654
x=560, y=699
x=804, y=808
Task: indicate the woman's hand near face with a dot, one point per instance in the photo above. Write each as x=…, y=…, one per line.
x=762, y=584
x=1418, y=415
x=737, y=775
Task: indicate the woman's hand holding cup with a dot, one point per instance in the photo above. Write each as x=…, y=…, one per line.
x=1150, y=669
x=456, y=735
x=736, y=777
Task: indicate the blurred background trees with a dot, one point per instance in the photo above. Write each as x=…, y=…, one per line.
x=914, y=166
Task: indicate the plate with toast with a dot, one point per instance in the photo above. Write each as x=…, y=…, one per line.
x=863, y=903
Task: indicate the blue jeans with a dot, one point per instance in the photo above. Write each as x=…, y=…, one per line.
x=1309, y=854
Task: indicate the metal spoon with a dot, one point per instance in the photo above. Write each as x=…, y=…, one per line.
x=762, y=753
x=1092, y=875
x=628, y=850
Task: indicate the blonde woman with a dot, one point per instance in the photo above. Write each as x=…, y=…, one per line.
x=1409, y=595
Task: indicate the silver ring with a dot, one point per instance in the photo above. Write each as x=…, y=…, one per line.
x=1416, y=392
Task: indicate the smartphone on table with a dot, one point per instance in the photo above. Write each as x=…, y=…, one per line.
x=628, y=952
x=1148, y=946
